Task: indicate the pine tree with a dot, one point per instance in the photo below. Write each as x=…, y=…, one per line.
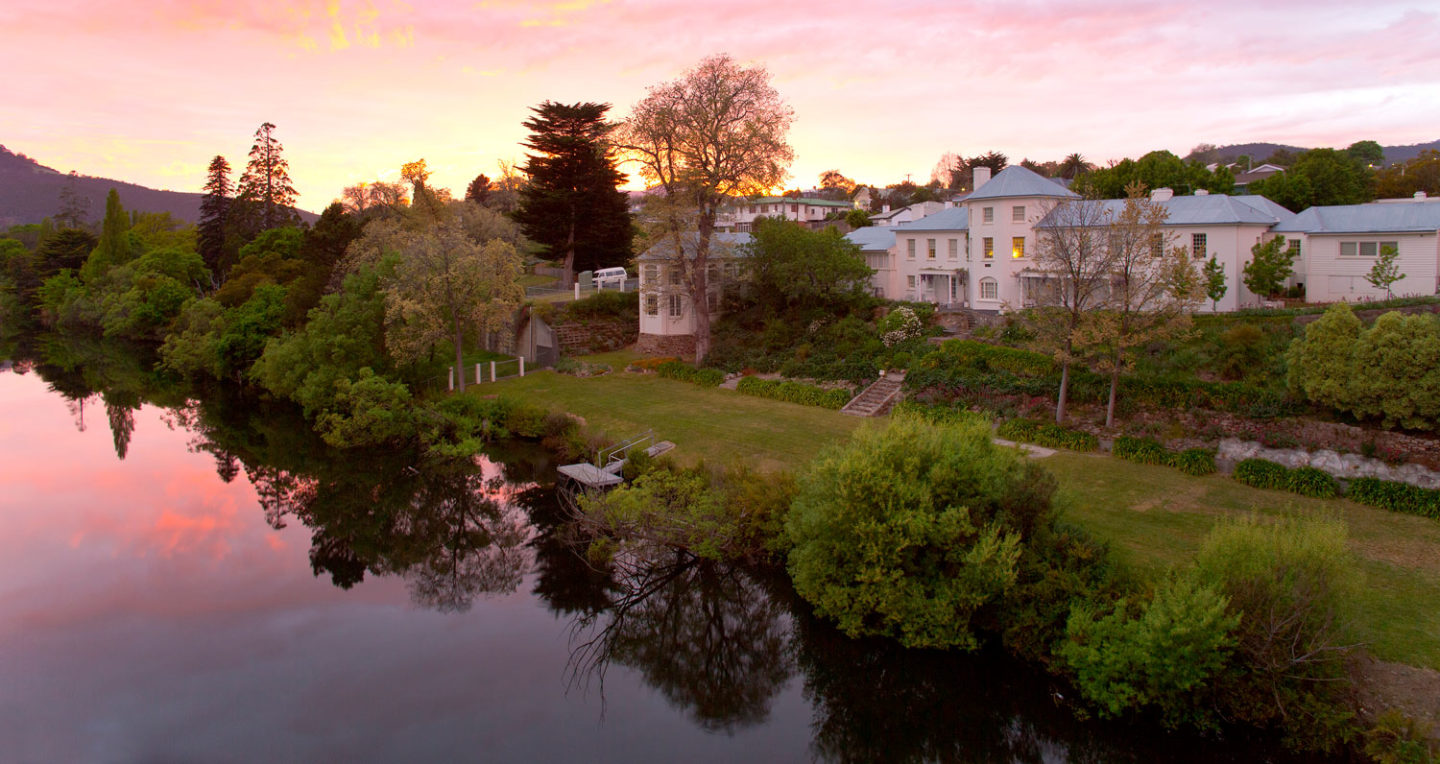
x=214, y=208
x=114, y=247
x=266, y=183
x=572, y=205
x=74, y=207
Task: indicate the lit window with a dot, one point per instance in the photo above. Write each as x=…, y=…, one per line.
x=988, y=247
x=677, y=305
x=954, y=249
x=910, y=248
x=1017, y=213
x=989, y=289
x=1017, y=246
x=930, y=249
x=1197, y=246
x=988, y=215
x=652, y=304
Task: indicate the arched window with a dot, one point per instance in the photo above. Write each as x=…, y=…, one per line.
x=989, y=289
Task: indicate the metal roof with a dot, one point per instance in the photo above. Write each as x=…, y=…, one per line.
x=1015, y=181
x=721, y=243
x=951, y=219
x=873, y=238
x=1376, y=217
x=796, y=200
x=1205, y=209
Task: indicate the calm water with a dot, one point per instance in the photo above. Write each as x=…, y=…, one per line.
x=204, y=581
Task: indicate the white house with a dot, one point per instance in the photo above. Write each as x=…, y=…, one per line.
x=810, y=212
x=877, y=244
x=932, y=258
x=1339, y=246
x=1002, y=213
x=667, y=317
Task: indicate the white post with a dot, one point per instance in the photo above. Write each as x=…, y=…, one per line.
x=522, y=365
x=478, y=378
x=492, y=371
x=452, y=379
x=577, y=290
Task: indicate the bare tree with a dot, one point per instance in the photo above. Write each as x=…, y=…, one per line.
x=717, y=132
x=1075, y=266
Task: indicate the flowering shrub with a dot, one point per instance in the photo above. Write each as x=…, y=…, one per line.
x=902, y=324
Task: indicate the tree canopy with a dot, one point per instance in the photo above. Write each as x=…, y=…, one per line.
x=1158, y=169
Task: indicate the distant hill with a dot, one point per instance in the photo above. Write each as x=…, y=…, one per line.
x=1259, y=151
x=30, y=192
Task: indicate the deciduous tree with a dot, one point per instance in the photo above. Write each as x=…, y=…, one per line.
x=573, y=206
x=1271, y=263
x=1213, y=279
x=1384, y=273
x=717, y=132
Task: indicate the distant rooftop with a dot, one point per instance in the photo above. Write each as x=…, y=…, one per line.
x=720, y=242
x=1207, y=209
x=814, y=202
x=873, y=238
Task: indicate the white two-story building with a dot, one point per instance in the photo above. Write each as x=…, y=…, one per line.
x=1339, y=246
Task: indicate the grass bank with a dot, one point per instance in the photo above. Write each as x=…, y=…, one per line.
x=1157, y=517
x=718, y=426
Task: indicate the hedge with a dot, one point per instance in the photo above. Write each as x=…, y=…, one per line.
x=1195, y=461
x=1047, y=435
x=794, y=392
x=1396, y=497
x=1306, y=481
x=1142, y=450
x=687, y=373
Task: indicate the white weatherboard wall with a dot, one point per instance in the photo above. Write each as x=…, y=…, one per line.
x=1333, y=277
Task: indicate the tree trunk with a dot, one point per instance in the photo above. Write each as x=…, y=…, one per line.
x=1064, y=393
x=1114, y=384
x=568, y=280
x=459, y=355
x=699, y=288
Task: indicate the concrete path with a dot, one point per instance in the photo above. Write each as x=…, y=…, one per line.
x=1038, y=452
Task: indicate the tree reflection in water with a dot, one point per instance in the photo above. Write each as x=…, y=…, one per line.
x=705, y=634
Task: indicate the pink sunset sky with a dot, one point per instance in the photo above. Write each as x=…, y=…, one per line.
x=148, y=92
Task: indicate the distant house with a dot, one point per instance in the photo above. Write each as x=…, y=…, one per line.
x=906, y=214
x=1245, y=178
x=667, y=316
x=877, y=244
x=739, y=216
x=1339, y=245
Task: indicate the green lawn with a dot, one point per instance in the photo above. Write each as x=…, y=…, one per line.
x=1156, y=517
x=718, y=426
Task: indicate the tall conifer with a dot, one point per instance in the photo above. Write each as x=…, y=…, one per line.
x=214, y=208
x=266, y=185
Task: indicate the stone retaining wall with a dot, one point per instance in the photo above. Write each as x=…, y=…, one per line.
x=678, y=345
x=1344, y=466
x=579, y=338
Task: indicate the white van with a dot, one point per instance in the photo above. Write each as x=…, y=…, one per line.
x=612, y=278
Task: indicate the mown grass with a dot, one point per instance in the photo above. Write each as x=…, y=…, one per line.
x=1156, y=517
x=714, y=425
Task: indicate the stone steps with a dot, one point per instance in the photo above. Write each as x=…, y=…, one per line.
x=877, y=399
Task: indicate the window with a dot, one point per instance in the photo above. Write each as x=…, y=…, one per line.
x=989, y=289
x=652, y=274
x=954, y=249
x=712, y=298
x=930, y=249
x=1365, y=248
x=652, y=304
x=988, y=215
x=910, y=283
x=910, y=248
x=1197, y=246
x=1017, y=213
x=1017, y=246
x=1157, y=245
x=677, y=305
x=712, y=274
x=795, y=208
x=1294, y=247
x=675, y=277
x=988, y=247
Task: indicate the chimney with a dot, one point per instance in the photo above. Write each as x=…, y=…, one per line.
x=884, y=208
x=1162, y=194
x=1421, y=196
x=949, y=203
x=981, y=176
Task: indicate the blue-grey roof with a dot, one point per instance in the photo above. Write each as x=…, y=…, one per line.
x=1206, y=209
x=720, y=240
x=873, y=238
x=1376, y=217
x=950, y=219
x=1019, y=181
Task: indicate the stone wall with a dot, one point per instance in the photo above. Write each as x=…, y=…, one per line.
x=596, y=336
x=678, y=345
x=1344, y=466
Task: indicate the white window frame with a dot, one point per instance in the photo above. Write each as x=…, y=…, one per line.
x=676, y=307
x=1017, y=214
x=652, y=304
x=909, y=249
x=954, y=249
x=987, y=215
x=1017, y=247
x=1198, y=246
x=989, y=289
x=930, y=249
x=987, y=247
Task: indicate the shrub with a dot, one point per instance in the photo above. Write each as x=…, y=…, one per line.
x=1396, y=497
x=940, y=414
x=1261, y=473
x=1155, y=654
x=909, y=530
x=794, y=392
x=1397, y=739
x=687, y=373
x=652, y=364
x=1047, y=434
x=369, y=410
x=1195, y=461
x=1142, y=450
x=1308, y=481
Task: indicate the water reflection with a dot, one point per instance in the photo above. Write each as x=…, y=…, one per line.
x=706, y=635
